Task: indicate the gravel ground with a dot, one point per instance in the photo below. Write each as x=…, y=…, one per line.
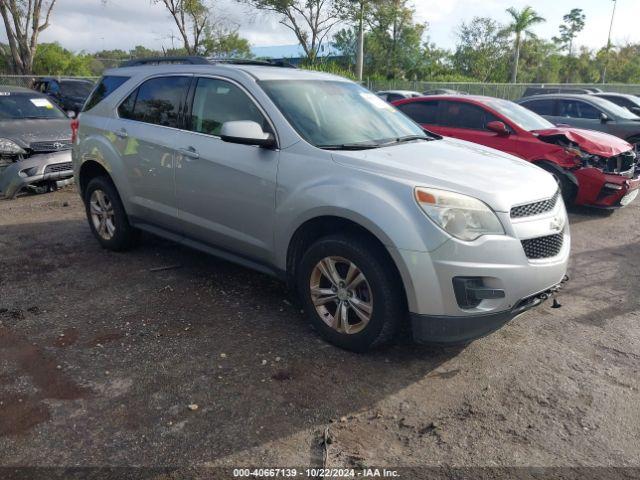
x=102, y=354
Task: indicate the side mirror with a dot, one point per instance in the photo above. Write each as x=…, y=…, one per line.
x=498, y=127
x=246, y=132
x=604, y=118
x=71, y=114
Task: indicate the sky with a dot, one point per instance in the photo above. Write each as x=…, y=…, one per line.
x=91, y=25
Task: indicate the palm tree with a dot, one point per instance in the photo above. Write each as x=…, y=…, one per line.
x=521, y=22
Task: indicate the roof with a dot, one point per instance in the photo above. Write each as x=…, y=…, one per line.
x=14, y=89
x=616, y=94
x=259, y=72
x=59, y=79
x=402, y=92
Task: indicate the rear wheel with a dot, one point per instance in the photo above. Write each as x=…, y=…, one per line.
x=107, y=218
x=350, y=292
x=567, y=188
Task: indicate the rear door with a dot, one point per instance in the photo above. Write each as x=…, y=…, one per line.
x=226, y=191
x=145, y=134
x=468, y=121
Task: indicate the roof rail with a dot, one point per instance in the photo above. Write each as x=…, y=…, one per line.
x=190, y=60
x=195, y=60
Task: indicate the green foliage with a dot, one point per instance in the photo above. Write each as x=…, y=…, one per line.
x=482, y=52
x=329, y=67
x=573, y=24
x=52, y=59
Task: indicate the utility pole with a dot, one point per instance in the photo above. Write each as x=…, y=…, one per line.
x=360, y=52
x=606, y=60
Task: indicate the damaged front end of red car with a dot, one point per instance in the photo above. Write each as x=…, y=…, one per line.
x=603, y=168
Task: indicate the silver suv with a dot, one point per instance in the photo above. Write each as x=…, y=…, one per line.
x=309, y=177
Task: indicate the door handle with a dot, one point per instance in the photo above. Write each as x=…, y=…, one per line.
x=122, y=133
x=189, y=153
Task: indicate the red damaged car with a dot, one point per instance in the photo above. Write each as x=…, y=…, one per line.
x=592, y=168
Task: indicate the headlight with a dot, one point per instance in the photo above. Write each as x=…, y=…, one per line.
x=461, y=216
x=9, y=147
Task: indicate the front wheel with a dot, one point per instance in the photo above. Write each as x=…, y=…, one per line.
x=350, y=292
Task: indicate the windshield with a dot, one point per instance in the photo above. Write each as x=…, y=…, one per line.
x=333, y=113
x=524, y=118
x=21, y=106
x=76, y=89
x=617, y=110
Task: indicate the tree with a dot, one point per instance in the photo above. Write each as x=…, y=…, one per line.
x=52, y=59
x=394, y=43
x=191, y=17
x=480, y=52
x=310, y=20
x=24, y=21
x=521, y=21
x=222, y=41
x=573, y=24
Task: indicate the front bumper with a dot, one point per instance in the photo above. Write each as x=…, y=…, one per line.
x=47, y=167
x=508, y=280
x=596, y=189
x=448, y=330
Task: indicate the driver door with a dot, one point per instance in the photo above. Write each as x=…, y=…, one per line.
x=225, y=191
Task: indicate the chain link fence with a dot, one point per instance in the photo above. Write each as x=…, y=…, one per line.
x=26, y=81
x=510, y=91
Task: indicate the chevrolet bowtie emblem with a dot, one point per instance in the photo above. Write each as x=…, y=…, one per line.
x=58, y=145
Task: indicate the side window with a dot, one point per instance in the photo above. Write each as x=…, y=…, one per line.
x=216, y=102
x=578, y=109
x=421, y=112
x=541, y=107
x=157, y=101
x=392, y=97
x=105, y=87
x=465, y=115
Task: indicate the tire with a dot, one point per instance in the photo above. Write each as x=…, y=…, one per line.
x=380, y=291
x=567, y=188
x=116, y=233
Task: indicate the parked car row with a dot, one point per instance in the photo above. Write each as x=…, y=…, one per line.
x=590, y=167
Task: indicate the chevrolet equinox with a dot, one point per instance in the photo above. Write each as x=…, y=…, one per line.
x=309, y=177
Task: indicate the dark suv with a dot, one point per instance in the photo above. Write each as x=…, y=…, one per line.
x=69, y=94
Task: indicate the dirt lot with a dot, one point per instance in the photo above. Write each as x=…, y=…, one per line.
x=101, y=355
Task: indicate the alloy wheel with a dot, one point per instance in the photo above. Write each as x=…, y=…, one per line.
x=341, y=295
x=102, y=214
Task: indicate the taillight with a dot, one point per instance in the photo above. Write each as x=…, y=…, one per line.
x=75, y=125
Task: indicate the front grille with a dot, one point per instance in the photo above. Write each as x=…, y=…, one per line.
x=55, y=146
x=543, y=247
x=531, y=209
x=58, y=167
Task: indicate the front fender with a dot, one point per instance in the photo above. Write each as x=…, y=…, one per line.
x=383, y=207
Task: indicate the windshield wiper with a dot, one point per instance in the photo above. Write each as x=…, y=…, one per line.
x=407, y=138
x=351, y=146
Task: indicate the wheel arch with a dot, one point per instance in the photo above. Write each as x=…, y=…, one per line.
x=323, y=225
x=89, y=170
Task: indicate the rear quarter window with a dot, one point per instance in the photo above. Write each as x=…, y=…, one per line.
x=105, y=87
x=421, y=112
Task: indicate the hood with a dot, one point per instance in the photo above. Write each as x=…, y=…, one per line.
x=25, y=132
x=498, y=179
x=595, y=143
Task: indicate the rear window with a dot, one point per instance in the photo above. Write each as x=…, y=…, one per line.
x=541, y=107
x=157, y=101
x=105, y=88
x=421, y=112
